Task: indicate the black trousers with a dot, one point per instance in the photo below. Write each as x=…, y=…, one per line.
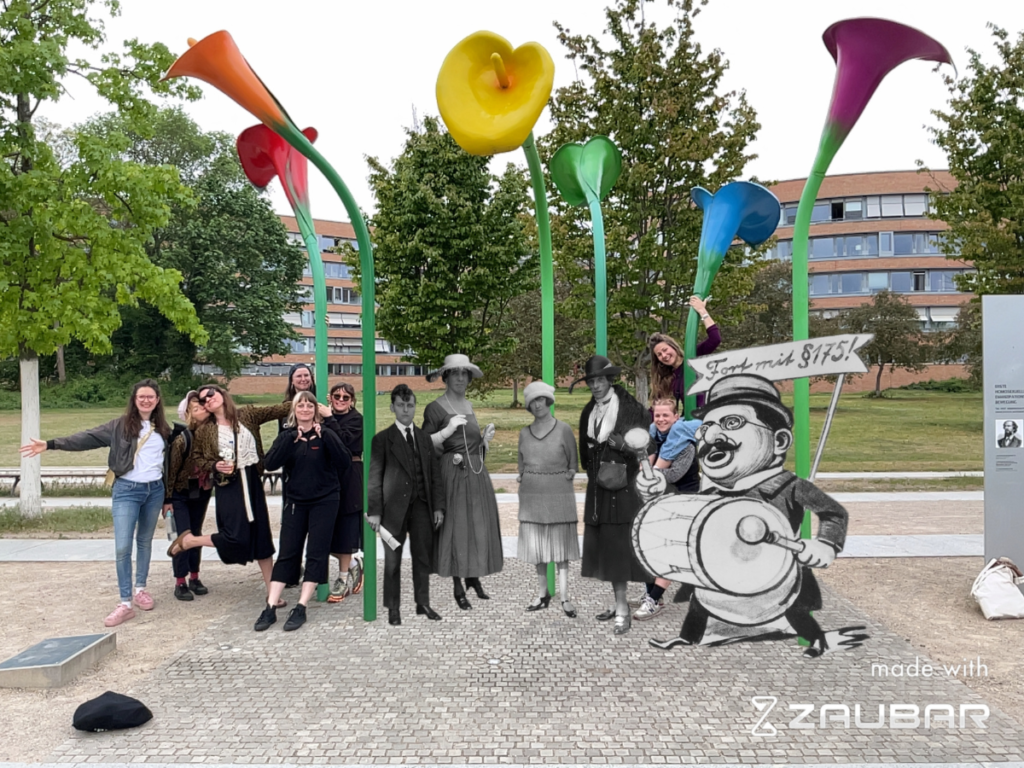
x=420, y=530
x=305, y=524
x=189, y=515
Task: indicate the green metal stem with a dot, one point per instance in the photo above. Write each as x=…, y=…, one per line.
x=367, y=287
x=316, y=268
x=690, y=352
x=547, y=280
x=600, y=277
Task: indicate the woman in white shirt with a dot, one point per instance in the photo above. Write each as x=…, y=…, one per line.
x=136, y=461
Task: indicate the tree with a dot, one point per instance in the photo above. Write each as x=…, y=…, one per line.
x=240, y=271
x=982, y=134
x=964, y=343
x=656, y=94
x=899, y=341
x=451, y=250
x=72, y=248
x=522, y=358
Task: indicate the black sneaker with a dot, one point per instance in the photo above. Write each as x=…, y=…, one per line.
x=296, y=618
x=268, y=617
x=197, y=586
x=181, y=592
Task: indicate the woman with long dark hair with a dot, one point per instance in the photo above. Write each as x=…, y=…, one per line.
x=229, y=447
x=667, y=367
x=137, y=468
x=347, y=423
x=308, y=456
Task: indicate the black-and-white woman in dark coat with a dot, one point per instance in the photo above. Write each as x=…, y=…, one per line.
x=612, y=500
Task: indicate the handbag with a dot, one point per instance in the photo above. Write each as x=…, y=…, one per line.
x=611, y=475
x=996, y=590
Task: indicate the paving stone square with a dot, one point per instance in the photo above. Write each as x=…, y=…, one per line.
x=498, y=685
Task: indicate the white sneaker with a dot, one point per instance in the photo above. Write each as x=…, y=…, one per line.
x=649, y=608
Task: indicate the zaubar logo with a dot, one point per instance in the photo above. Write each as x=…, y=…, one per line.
x=893, y=716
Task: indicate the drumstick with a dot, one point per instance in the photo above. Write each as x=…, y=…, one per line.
x=637, y=439
x=753, y=530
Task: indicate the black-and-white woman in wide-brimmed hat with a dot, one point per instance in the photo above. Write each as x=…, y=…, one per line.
x=469, y=543
x=612, y=500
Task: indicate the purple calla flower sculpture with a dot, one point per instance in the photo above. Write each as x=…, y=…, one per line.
x=740, y=209
x=865, y=51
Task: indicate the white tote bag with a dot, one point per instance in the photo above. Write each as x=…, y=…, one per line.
x=996, y=590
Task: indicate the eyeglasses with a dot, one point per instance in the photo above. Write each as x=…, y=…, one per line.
x=730, y=423
x=343, y=398
x=145, y=398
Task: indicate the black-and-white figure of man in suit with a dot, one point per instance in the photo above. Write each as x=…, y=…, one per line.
x=405, y=497
x=1010, y=438
x=741, y=447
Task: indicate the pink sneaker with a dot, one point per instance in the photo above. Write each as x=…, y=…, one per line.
x=119, y=615
x=143, y=600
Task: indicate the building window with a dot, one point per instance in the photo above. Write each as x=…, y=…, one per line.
x=885, y=243
x=854, y=209
x=915, y=205
x=344, y=369
x=401, y=370
x=789, y=215
x=852, y=282
x=942, y=281
x=307, y=318
x=918, y=281
x=901, y=282
x=874, y=207
x=822, y=248
x=878, y=281
x=892, y=206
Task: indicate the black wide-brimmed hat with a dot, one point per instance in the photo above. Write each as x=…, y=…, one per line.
x=748, y=390
x=597, y=366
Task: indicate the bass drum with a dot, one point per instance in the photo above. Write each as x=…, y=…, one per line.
x=693, y=539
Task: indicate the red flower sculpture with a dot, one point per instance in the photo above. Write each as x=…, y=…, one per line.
x=264, y=155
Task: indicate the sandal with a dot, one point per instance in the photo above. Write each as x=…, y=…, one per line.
x=176, y=547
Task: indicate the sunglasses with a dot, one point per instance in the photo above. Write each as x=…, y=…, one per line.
x=343, y=398
x=204, y=399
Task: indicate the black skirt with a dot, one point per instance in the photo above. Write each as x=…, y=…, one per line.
x=238, y=540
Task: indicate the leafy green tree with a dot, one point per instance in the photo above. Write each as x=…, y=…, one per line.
x=451, y=250
x=982, y=134
x=899, y=341
x=964, y=343
x=72, y=248
x=240, y=271
x=658, y=96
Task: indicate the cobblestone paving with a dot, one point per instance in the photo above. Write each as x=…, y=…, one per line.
x=498, y=685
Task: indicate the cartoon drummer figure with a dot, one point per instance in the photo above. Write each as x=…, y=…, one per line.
x=741, y=448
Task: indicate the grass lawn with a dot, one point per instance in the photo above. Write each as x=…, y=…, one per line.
x=909, y=431
x=57, y=520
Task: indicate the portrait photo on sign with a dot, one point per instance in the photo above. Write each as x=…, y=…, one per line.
x=1009, y=432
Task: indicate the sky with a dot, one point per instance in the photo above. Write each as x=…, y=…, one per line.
x=357, y=71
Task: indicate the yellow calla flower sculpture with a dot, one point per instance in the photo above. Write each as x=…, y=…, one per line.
x=490, y=95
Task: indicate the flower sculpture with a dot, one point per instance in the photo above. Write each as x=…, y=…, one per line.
x=741, y=210
x=584, y=175
x=490, y=96
x=264, y=155
x=865, y=51
x=217, y=60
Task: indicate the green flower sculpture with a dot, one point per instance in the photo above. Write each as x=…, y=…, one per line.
x=584, y=175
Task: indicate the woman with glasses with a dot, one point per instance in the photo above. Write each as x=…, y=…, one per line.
x=137, y=468
x=347, y=423
x=229, y=447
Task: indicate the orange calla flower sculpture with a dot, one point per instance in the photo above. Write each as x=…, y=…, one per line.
x=490, y=96
x=217, y=60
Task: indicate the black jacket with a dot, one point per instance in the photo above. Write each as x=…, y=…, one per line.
x=393, y=476
x=309, y=467
x=601, y=505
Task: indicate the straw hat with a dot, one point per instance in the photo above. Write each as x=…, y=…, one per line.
x=455, y=362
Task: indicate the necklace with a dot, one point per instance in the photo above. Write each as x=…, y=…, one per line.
x=465, y=440
x=554, y=423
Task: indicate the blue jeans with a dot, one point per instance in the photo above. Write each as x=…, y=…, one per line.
x=136, y=509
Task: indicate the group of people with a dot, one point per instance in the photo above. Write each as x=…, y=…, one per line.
x=154, y=467
x=428, y=484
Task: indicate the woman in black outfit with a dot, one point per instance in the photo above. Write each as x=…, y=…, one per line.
x=347, y=423
x=308, y=456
